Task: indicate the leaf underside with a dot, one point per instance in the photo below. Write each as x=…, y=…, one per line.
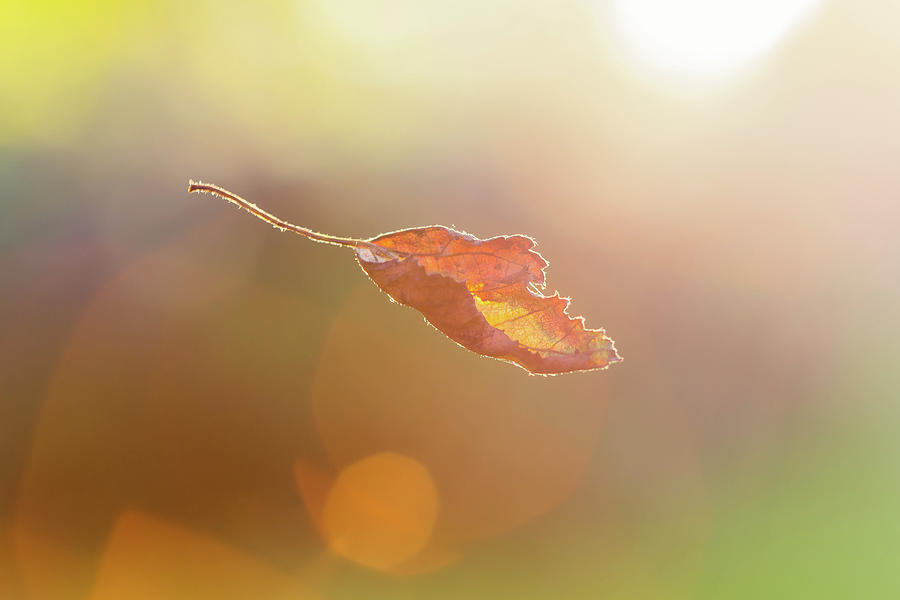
x=484, y=295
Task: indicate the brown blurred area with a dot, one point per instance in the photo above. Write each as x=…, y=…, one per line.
x=195, y=405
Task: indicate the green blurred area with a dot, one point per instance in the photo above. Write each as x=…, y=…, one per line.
x=166, y=356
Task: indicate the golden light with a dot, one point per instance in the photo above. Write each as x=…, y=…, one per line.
x=381, y=511
x=147, y=557
x=704, y=38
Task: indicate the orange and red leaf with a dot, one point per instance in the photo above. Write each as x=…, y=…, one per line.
x=483, y=294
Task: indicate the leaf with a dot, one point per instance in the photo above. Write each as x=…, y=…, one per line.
x=483, y=294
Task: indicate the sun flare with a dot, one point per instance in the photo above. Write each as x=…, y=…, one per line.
x=706, y=38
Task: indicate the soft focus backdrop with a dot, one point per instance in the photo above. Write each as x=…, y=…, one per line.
x=193, y=405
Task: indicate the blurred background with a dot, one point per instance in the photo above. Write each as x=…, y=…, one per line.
x=193, y=405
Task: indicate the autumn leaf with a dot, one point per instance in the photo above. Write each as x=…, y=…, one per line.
x=484, y=295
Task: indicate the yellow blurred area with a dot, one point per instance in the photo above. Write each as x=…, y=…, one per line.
x=149, y=558
x=380, y=511
x=53, y=57
x=146, y=557
x=195, y=405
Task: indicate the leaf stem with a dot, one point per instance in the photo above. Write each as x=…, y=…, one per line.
x=273, y=220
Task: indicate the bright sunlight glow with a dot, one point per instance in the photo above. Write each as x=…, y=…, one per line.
x=706, y=37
